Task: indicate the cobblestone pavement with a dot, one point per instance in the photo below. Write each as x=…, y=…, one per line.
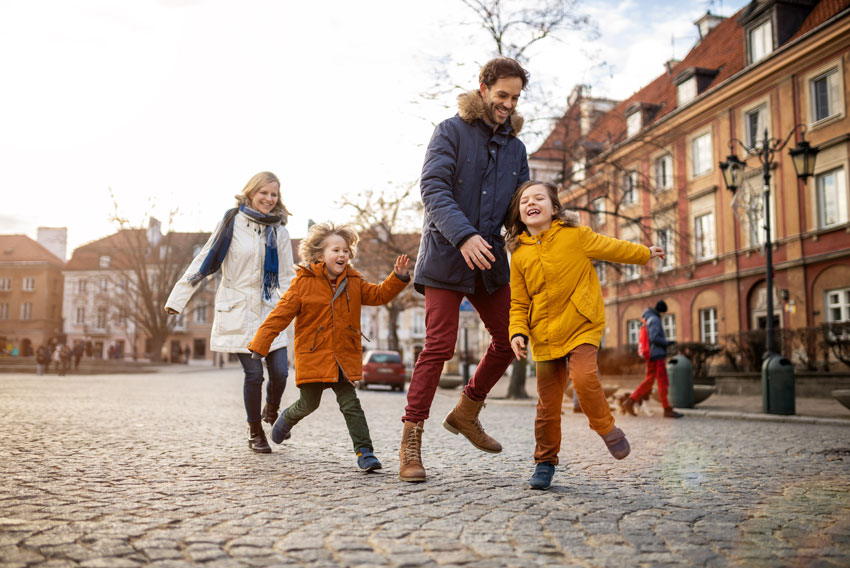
x=154, y=469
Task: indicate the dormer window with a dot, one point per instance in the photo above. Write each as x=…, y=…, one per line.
x=638, y=115
x=633, y=124
x=692, y=82
x=760, y=40
x=686, y=91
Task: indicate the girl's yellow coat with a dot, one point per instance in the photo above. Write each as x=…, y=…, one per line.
x=556, y=299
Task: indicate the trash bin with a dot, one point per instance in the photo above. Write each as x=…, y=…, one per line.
x=681, y=374
x=777, y=385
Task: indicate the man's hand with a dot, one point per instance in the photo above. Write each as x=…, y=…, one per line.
x=476, y=251
x=402, y=264
x=518, y=345
x=656, y=252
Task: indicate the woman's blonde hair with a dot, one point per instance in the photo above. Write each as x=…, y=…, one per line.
x=311, y=247
x=254, y=184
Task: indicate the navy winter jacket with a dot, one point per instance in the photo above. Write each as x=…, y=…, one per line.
x=468, y=179
x=658, y=343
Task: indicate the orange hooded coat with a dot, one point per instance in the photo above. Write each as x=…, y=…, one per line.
x=327, y=321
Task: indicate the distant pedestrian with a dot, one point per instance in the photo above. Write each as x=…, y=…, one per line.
x=473, y=166
x=656, y=363
x=42, y=359
x=62, y=357
x=251, y=247
x=187, y=353
x=325, y=300
x=78, y=353
x=556, y=303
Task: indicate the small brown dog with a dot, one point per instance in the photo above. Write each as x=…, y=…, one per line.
x=639, y=404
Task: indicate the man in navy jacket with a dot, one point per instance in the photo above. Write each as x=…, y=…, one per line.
x=473, y=166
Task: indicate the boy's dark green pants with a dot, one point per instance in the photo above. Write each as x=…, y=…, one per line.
x=349, y=405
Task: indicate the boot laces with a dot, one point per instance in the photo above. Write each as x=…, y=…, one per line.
x=412, y=442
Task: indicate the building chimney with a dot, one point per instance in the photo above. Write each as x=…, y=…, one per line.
x=706, y=23
x=54, y=239
x=670, y=64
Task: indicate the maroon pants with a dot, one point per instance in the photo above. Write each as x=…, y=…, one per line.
x=654, y=370
x=441, y=323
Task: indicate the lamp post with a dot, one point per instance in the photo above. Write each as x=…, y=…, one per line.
x=803, y=157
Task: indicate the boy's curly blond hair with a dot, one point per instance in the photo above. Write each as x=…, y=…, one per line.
x=310, y=248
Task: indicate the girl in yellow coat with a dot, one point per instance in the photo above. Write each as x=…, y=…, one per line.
x=556, y=303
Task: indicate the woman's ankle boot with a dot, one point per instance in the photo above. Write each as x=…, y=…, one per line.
x=257, y=438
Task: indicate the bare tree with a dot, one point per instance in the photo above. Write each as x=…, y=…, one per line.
x=388, y=225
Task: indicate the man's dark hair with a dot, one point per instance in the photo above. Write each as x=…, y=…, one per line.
x=500, y=68
x=661, y=306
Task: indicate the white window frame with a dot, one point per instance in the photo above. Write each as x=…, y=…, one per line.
x=668, y=322
x=4, y=311
x=80, y=315
x=633, y=123
x=664, y=239
x=702, y=154
x=28, y=284
x=760, y=41
x=5, y=284
x=26, y=310
x=630, y=188
x=103, y=284
x=664, y=177
x=837, y=201
x=632, y=331
x=705, y=232
x=81, y=286
x=708, y=331
x=104, y=261
x=686, y=91
x=600, y=271
x=199, y=313
x=599, y=211
x=831, y=79
x=760, y=113
x=838, y=299
x=631, y=271
x=102, y=317
x=417, y=328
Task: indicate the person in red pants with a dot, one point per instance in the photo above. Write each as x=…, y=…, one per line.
x=656, y=364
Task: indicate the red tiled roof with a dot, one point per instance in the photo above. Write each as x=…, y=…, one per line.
x=821, y=13
x=15, y=248
x=87, y=257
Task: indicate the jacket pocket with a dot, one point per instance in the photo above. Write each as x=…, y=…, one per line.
x=586, y=304
x=230, y=316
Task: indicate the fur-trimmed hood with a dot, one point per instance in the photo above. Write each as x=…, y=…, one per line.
x=470, y=106
x=570, y=218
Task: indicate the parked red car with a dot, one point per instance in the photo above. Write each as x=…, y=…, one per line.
x=383, y=368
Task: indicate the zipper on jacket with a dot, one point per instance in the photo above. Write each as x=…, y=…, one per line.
x=316, y=337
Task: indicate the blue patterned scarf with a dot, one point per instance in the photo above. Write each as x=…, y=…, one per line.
x=221, y=244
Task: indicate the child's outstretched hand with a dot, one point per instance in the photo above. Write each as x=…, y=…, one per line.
x=518, y=345
x=656, y=252
x=401, y=266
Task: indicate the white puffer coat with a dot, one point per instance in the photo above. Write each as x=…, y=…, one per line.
x=239, y=305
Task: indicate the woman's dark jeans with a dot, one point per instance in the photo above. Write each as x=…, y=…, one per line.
x=252, y=391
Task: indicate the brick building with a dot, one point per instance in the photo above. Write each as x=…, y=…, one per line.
x=647, y=171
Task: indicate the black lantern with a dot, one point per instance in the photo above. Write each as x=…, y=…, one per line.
x=803, y=157
x=732, y=169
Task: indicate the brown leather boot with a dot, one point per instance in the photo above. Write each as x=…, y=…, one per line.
x=628, y=405
x=410, y=467
x=464, y=420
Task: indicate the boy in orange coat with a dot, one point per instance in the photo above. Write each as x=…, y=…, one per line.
x=325, y=299
x=556, y=302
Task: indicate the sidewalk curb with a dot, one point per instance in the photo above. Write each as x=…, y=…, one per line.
x=755, y=417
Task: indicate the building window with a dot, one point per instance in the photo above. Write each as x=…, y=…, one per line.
x=633, y=123
x=26, y=311
x=29, y=284
x=104, y=284
x=831, y=189
x=104, y=261
x=600, y=271
x=708, y=325
x=81, y=285
x=668, y=322
x=664, y=239
x=704, y=236
x=180, y=321
x=200, y=313
x=80, y=316
x=838, y=305
x=4, y=311
x=630, y=188
x=599, y=211
x=418, y=323
x=761, y=41
x=755, y=122
x=663, y=172
x=5, y=284
x=631, y=271
x=632, y=328
x=701, y=161
x=101, y=317
x=825, y=95
x=686, y=91
x=121, y=317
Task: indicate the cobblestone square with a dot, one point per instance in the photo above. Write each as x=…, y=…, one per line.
x=128, y=470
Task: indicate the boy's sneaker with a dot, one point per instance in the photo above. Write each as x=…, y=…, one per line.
x=542, y=477
x=367, y=461
x=280, y=430
x=617, y=443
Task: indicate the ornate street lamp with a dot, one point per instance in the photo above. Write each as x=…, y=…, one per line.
x=765, y=150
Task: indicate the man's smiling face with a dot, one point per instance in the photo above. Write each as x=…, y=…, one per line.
x=501, y=99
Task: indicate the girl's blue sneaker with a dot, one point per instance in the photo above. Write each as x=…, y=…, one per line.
x=367, y=461
x=542, y=477
x=280, y=430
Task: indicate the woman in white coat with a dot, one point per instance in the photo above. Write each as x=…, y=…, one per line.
x=252, y=249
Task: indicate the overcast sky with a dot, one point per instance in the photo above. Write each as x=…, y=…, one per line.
x=174, y=104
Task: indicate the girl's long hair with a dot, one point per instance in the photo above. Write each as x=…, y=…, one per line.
x=513, y=222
